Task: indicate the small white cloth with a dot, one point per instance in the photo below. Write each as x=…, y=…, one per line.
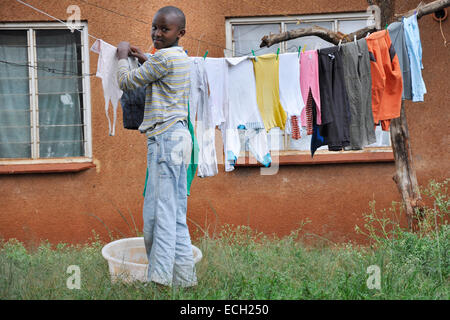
x=289, y=79
x=107, y=67
x=217, y=71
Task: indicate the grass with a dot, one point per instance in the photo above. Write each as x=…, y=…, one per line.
x=239, y=263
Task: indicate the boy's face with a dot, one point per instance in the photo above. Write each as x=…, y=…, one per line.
x=166, y=30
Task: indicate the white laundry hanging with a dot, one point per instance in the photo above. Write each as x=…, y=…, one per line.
x=204, y=125
x=289, y=81
x=242, y=112
x=216, y=68
x=107, y=67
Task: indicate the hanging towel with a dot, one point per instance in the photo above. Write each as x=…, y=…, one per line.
x=387, y=85
x=267, y=91
x=107, y=67
x=309, y=81
x=397, y=34
x=414, y=46
x=290, y=94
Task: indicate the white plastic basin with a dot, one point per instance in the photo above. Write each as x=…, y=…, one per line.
x=127, y=259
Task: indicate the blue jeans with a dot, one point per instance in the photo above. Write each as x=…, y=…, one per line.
x=166, y=233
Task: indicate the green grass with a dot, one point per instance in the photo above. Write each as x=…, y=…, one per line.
x=239, y=263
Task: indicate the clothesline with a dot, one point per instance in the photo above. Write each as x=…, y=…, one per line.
x=336, y=82
x=47, y=69
x=129, y=17
x=54, y=18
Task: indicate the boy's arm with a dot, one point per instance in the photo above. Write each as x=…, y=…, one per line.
x=153, y=69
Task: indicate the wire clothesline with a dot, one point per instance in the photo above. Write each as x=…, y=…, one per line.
x=54, y=18
x=146, y=23
x=129, y=17
x=63, y=72
x=47, y=69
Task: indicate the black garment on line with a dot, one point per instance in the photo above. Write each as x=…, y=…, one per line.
x=133, y=106
x=334, y=104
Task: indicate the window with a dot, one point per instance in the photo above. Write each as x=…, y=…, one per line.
x=44, y=94
x=244, y=35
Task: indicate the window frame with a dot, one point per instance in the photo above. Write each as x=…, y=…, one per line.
x=292, y=156
x=283, y=20
x=13, y=165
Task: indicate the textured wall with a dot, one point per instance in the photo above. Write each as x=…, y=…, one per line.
x=59, y=207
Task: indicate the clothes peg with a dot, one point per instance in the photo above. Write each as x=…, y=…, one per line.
x=278, y=52
x=299, y=48
x=254, y=55
x=304, y=48
x=354, y=38
x=339, y=45
x=206, y=53
x=386, y=26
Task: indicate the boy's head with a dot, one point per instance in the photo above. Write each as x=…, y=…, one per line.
x=168, y=27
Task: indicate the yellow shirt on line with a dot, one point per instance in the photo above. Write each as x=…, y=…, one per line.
x=268, y=91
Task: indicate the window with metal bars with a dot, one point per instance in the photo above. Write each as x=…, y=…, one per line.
x=44, y=103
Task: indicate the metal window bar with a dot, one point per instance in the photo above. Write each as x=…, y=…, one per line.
x=61, y=141
x=32, y=86
x=28, y=110
x=15, y=127
x=16, y=143
x=85, y=82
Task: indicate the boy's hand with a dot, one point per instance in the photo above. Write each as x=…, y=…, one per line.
x=123, y=49
x=138, y=53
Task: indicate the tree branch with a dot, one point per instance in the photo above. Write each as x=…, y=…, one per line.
x=335, y=37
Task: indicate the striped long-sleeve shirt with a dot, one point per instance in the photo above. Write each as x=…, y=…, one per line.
x=167, y=77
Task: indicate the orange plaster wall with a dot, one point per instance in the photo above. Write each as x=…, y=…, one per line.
x=60, y=207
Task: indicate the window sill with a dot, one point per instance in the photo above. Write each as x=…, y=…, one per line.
x=321, y=157
x=51, y=167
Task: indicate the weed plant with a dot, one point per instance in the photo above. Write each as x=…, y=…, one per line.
x=239, y=263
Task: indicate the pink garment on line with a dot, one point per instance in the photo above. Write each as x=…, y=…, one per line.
x=309, y=79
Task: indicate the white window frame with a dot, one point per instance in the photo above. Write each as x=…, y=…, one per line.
x=334, y=18
x=34, y=92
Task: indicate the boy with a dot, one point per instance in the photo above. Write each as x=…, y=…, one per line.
x=166, y=73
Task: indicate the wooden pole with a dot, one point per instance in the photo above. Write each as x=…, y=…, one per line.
x=405, y=176
x=335, y=37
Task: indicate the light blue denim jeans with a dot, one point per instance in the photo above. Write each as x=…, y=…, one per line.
x=166, y=233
